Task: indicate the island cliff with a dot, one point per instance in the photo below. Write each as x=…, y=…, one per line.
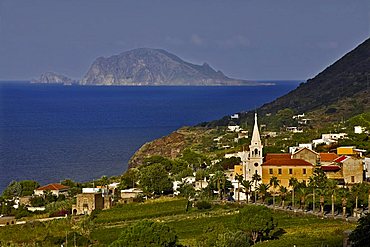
x=51, y=77
x=146, y=66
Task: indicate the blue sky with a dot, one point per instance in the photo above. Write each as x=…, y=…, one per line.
x=247, y=39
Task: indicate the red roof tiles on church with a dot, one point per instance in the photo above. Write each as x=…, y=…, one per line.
x=327, y=157
x=53, y=187
x=277, y=156
x=286, y=162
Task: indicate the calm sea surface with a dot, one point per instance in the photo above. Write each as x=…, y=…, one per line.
x=52, y=132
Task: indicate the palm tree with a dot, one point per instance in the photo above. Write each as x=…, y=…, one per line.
x=293, y=182
x=331, y=188
x=343, y=192
x=263, y=189
x=247, y=184
x=256, y=178
x=219, y=175
x=303, y=193
x=274, y=182
x=321, y=193
x=356, y=191
x=283, y=195
x=240, y=179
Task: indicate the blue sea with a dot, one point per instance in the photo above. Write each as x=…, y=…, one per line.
x=52, y=132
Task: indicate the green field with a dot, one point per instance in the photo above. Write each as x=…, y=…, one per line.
x=107, y=225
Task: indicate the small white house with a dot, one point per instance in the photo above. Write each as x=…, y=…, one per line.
x=55, y=189
x=359, y=129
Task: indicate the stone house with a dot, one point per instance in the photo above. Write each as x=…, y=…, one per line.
x=128, y=195
x=346, y=170
x=307, y=155
x=7, y=220
x=89, y=201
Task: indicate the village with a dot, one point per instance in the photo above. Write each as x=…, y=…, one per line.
x=305, y=178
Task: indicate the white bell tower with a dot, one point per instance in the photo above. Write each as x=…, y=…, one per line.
x=255, y=158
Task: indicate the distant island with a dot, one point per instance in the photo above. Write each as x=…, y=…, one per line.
x=150, y=67
x=51, y=77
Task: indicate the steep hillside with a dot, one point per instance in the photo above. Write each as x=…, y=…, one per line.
x=339, y=92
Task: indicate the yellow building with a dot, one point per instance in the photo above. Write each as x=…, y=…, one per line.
x=346, y=150
x=238, y=170
x=284, y=169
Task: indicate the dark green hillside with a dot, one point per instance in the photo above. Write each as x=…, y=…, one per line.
x=340, y=91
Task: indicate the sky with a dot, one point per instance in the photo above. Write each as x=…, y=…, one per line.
x=246, y=39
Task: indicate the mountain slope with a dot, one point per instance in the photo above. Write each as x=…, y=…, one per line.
x=339, y=92
x=346, y=78
x=146, y=66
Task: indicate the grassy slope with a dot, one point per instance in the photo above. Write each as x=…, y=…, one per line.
x=300, y=230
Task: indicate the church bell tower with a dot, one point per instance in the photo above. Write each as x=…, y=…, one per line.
x=255, y=158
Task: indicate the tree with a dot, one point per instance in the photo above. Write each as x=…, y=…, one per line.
x=256, y=178
x=360, y=236
x=283, y=195
x=356, y=191
x=303, y=192
x=129, y=179
x=321, y=193
x=147, y=234
x=257, y=221
x=293, y=182
x=274, y=182
x=318, y=180
x=218, y=177
x=247, y=184
x=344, y=193
x=187, y=190
x=240, y=179
x=219, y=236
x=263, y=190
x=14, y=189
x=331, y=189
x=154, y=179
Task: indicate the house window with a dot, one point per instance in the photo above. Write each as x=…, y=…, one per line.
x=290, y=171
x=279, y=171
x=304, y=172
x=352, y=179
x=271, y=171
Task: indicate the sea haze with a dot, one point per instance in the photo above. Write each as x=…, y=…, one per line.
x=52, y=132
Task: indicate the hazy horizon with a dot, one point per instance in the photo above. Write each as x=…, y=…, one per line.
x=252, y=40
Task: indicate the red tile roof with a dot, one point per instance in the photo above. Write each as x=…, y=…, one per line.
x=286, y=162
x=277, y=156
x=53, y=187
x=340, y=159
x=327, y=157
x=330, y=168
x=300, y=150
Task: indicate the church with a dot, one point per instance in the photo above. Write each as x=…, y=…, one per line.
x=252, y=161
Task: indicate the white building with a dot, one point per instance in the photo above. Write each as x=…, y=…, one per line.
x=367, y=167
x=359, y=129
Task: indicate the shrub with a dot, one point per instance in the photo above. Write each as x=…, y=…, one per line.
x=146, y=234
x=203, y=205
